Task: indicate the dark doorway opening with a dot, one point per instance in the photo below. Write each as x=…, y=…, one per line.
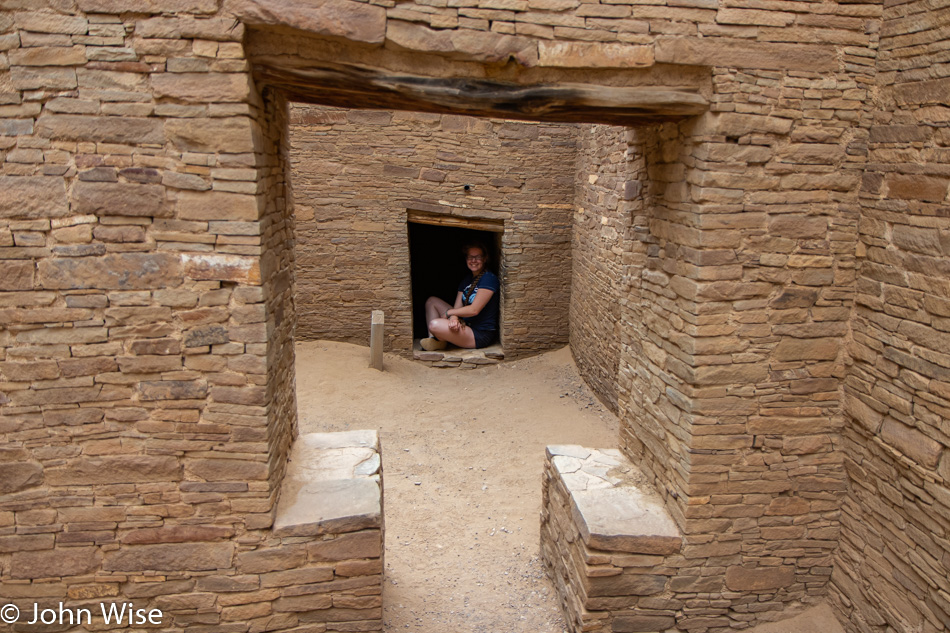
x=437, y=264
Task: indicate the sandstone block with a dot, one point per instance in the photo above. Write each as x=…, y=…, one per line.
x=30, y=197
x=40, y=22
x=481, y=46
x=173, y=390
x=16, y=127
x=62, y=562
x=371, y=567
x=175, y=180
x=310, y=603
x=222, y=267
x=26, y=543
x=226, y=469
x=48, y=56
x=42, y=78
x=795, y=298
x=148, y=364
x=206, y=335
x=176, y=534
x=916, y=187
x=231, y=135
x=170, y=557
x=106, y=129
x=115, y=469
x=347, y=546
x=739, y=373
x=354, y=21
x=299, y=576
x=935, y=92
x=637, y=623
x=145, y=175
x=73, y=417
x=37, y=370
x=743, y=54
x=63, y=336
x=120, y=271
x=249, y=395
x=788, y=506
x=811, y=153
x=203, y=87
x=790, y=349
x=111, y=198
x=270, y=560
x=625, y=585
x=759, y=578
x=912, y=443
x=156, y=346
x=799, y=227
x=20, y=475
x=918, y=239
x=216, y=205
x=593, y=55
x=16, y=275
x=898, y=134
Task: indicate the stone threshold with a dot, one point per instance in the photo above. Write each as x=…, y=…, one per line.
x=459, y=358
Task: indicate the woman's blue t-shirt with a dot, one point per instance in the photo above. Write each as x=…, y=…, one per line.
x=487, y=319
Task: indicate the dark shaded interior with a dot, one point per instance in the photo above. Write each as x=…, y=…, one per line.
x=437, y=264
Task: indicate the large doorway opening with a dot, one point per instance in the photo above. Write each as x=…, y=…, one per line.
x=437, y=265
x=368, y=173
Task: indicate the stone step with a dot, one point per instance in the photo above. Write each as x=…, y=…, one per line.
x=458, y=357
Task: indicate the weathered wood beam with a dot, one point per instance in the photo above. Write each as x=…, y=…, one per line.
x=356, y=87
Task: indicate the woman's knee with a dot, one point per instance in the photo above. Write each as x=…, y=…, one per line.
x=431, y=301
x=438, y=326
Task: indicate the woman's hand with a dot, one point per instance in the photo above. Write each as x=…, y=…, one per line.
x=455, y=324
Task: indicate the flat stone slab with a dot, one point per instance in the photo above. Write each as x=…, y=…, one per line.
x=332, y=485
x=490, y=355
x=611, y=502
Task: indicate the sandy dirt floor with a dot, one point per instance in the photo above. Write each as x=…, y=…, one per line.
x=462, y=454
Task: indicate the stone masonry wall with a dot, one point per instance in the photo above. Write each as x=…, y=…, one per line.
x=600, y=235
x=147, y=396
x=735, y=360
x=355, y=174
x=142, y=242
x=893, y=567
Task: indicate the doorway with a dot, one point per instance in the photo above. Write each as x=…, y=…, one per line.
x=437, y=265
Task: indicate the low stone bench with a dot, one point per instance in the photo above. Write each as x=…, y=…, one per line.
x=326, y=557
x=605, y=540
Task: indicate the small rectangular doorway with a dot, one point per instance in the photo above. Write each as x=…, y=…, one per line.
x=437, y=262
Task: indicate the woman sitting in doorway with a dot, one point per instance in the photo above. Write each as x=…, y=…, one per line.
x=473, y=321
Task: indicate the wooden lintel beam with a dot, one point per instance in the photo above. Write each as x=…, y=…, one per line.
x=355, y=87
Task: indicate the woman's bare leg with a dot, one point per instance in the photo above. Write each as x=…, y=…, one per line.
x=465, y=337
x=435, y=309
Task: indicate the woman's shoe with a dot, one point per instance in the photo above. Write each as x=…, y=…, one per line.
x=432, y=344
